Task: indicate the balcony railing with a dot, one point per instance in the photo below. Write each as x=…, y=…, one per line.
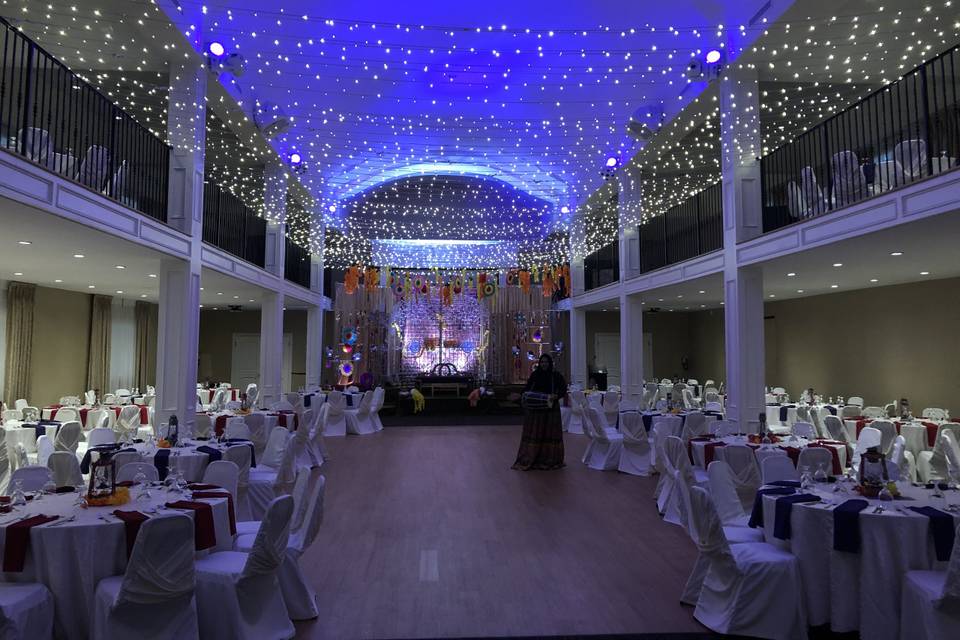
x=602, y=267
x=54, y=119
x=901, y=133
x=296, y=264
x=233, y=226
x=690, y=229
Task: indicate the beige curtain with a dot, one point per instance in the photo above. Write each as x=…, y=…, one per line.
x=20, y=297
x=144, y=346
x=98, y=360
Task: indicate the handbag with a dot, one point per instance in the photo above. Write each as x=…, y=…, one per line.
x=536, y=400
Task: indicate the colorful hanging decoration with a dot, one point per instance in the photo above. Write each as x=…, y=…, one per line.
x=458, y=285
x=351, y=280
x=345, y=369
x=513, y=277
x=446, y=295
x=538, y=335
x=348, y=335
x=524, y=280
x=548, y=282
x=371, y=279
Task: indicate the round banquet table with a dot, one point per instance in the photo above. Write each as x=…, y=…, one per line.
x=701, y=456
x=71, y=558
x=50, y=413
x=920, y=435
x=859, y=591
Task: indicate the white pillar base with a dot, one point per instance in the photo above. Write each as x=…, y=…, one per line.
x=743, y=318
x=631, y=345
x=271, y=349
x=178, y=336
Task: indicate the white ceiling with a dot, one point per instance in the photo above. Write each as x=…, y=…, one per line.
x=49, y=261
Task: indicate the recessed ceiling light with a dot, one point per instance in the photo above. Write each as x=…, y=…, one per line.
x=602, y=309
x=924, y=273
x=251, y=300
x=18, y=273
x=659, y=299
x=151, y=275
x=702, y=291
x=90, y=286
x=799, y=290
x=119, y=291
x=873, y=279
x=722, y=302
x=834, y=286
x=703, y=306
x=143, y=295
x=219, y=293
x=58, y=280
x=838, y=264
x=772, y=295
x=791, y=274
x=25, y=243
x=896, y=253
x=120, y=266
x=680, y=296
x=79, y=255
x=236, y=297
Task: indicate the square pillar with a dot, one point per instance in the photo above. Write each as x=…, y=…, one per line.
x=178, y=336
x=578, y=346
x=629, y=205
x=314, y=346
x=743, y=318
x=631, y=344
x=271, y=348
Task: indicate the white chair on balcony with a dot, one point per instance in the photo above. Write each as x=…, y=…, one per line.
x=911, y=159
x=849, y=185
x=95, y=167
x=38, y=146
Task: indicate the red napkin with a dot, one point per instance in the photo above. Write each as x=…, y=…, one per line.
x=220, y=424
x=131, y=523
x=709, y=451
x=932, y=429
x=861, y=423
x=793, y=453
x=282, y=420
x=204, y=533
x=221, y=494
x=18, y=540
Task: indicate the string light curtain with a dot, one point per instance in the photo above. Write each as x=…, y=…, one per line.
x=20, y=302
x=98, y=359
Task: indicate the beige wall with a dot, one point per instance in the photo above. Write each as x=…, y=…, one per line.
x=216, y=342
x=61, y=341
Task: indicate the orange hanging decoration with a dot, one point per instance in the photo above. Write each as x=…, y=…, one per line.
x=371, y=279
x=351, y=280
x=548, y=283
x=524, y=277
x=566, y=279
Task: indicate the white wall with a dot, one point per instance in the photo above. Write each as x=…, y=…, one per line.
x=123, y=332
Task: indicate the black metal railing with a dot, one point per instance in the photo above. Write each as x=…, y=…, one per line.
x=296, y=264
x=901, y=133
x=602, y=267
x=233, y=226
x=687, y=230
x=51, y=117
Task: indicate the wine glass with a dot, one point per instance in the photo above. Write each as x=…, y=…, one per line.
x=17, y=497
x=805, y=479
x=821, y=473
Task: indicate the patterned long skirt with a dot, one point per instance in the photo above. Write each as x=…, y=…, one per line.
x=541, y=446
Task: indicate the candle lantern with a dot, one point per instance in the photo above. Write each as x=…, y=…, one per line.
x=103, y=475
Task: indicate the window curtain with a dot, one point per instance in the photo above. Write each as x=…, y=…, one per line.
x=20, y=299
x=122, y=344
x=145, y=367
x=98, y=360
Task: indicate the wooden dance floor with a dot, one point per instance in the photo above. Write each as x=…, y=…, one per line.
x=428, y=533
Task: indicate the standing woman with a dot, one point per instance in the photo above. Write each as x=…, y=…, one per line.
x=541, y=446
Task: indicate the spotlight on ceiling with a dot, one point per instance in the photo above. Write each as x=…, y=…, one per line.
x=713, y=56
x=564, y=209
x=295, y=158
x=332, y=208
x=216, y=49
x=612, y=162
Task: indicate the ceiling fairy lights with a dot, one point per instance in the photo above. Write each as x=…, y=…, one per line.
x=411, y=123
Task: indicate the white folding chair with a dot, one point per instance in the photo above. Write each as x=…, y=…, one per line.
x=154, y=598
x=238, y=593
x=911, y=159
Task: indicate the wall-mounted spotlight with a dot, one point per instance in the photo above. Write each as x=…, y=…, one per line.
x=295, y=158
x=216, y=49
x=564, y=209
x=610, y=167
x=713, y=56
x=707, y=69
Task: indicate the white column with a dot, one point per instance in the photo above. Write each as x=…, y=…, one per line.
x=315, y=312
x=629, y=203
x=271, y=348
x=179, y=304
x=275, y=205
x=631, y=344
x=578, y=346
x=742, y=220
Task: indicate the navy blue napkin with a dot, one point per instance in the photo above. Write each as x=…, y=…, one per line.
x=832, y=410
x=161, y=460
x=349, y=397
x=306, y=400
x=783, y=411
x=941, y=527
x=781, y=520
x=785, y=483
x=846, y=525
x=85, y=463
x=214, y=454
x=756, y=516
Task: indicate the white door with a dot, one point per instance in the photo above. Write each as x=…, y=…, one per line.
x=607, y=356
x=245, y=363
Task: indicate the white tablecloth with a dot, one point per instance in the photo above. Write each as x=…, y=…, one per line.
x=859, y=591
x=70, y=559
x=697, y=448
x=914, y=433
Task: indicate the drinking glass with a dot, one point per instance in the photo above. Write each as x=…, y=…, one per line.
x=821, y=473
x=17, y=497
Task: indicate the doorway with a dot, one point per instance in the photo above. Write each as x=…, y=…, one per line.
x=245, y=360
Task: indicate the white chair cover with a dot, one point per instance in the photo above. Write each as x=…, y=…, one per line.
x=611, y=407
x=240, y=456
x=803, y=430
x=607, y=442
x=850, y=411
x=100, y=435
x=238, y=593
x=97, y=418
x=888, y=433
x=67, y=414
x=237, y=428
x=694, y=425
x=723, y=490
x=911, y=159
x=835, y=429
x=45, y=447
x=778, y=467
x=334, y=420
x=930, y=601
x=744, y=467
x=31, y=477
x=25, y=611
x=11, y=414
x=933, y=413
x=253, y=393
x=358, y=418
x=379, y=396
x=932, y=465
x=635, y=457
x=202, y=426
x=276, y=445
x=129, y=471
x=90, y=397
x=225, y=474
x=155, y=596
x=65, y=469
x=68, y=436
x=576, y=423
x=814, y=458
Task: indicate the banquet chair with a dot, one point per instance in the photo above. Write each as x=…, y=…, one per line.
x=67, y=414
x=123, y=396
x=25, y=611
x=776, y=468
x=299, y=493
x=694, y=425
x=952, y=452
x=750, y=589
x=225, y=474
x=154, y=598
x=835, y=429
x=578, y=421
x=676, y=465
x=904, y=459
x=99, y=436
x=122, y=458
x=723, y=491
x=282, y=405
x=31, y=477
x=379, y=395
x=744, y=467
x=910, y=157
x=873, y=412
x=888, y=432
x=630, y=402
x=232, y=405
x=849, y=184
x=276, y=445
x=813, y=458
x=38, y=146
x=128, y=423
x=689, y=402
x=238, y=594
x=635, y=457
x=95, y=168
x=723, y=428
x=607, y=442
x=11, y=414
x=253, y=393
x=817, y=422
x=97, y=418
x=856, y=401
x=217, y=401
x=803, y=430
x=662, y=427
x=334, y=420
x=267, y=483
x=316, y=437
x=595, y=400
x=109, y=399
x=713, y=406
x=240, y=456
x=20, y=404
x=358, y=418
x=850, y=411
x=256, y=422
x=933, y=413
x=237, y=429
x=30, y=414
x=293, y=398
x=930, y=600
x=932, y=465
x=90, y=397
x=202, y=426
x=650, y=392
x=65, y=469
x=128, y=472
x=611, y=408
x=298, y=596
x=45, y=447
